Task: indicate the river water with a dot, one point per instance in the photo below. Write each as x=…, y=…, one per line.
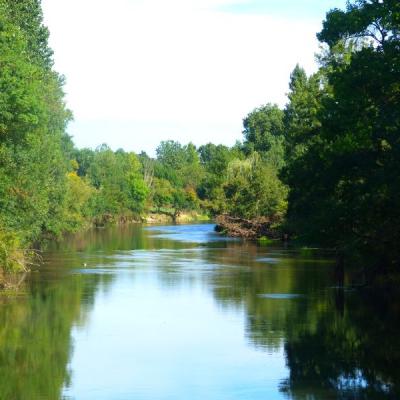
x=178, y=312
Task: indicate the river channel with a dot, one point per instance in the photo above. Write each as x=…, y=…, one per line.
x=177, y=312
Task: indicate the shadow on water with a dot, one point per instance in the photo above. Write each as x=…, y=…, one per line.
x=332, y=343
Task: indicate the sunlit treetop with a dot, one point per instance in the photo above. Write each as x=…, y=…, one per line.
x=376, y=20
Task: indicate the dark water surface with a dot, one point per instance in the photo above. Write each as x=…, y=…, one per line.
x=177, y=312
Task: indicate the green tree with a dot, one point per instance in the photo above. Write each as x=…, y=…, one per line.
x=118, y=178
x=171, y=154
x=28, y=16
x=375, y=20
x=264, y=133
x=215, y=160
x=138, y=189
x=32, y=131
x=345, y=188
x=253, y=189
x=301, y=114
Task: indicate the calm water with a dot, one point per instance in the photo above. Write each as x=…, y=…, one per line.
x=176, y=312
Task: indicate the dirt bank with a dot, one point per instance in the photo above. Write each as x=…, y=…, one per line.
x=248, y=229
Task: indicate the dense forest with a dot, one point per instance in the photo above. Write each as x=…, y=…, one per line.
x=325, y=169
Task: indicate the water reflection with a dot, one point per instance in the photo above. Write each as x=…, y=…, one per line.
x=35, y=333
x=352, y=353
x=179, y=312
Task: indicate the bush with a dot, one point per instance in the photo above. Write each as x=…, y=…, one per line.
x=12, y=257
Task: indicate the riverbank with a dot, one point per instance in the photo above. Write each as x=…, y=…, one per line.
x=184, y=217
x=258, y=228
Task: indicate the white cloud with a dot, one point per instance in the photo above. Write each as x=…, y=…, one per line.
x=179, y=64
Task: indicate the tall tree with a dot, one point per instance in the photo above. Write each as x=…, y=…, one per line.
x=32, y=131
x=28, y=16
x=345, y=188
x=301, y=113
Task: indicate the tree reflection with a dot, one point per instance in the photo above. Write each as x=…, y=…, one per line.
x=338, y=344
x=35, y=334
x=354, y=355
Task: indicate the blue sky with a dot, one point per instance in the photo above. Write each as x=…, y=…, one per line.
x=142, y=71
x=306, y=9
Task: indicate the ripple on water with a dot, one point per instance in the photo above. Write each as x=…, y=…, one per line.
x=280, y=296
x=268, y=260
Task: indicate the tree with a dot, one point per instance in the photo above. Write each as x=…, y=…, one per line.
x=32, y=132
x=138, y=189
x=118, y=178
x=301, y=114
x=171, y=154
x=215, y=160
x=375, y=20
x=264, y=133
x=28, y=16
x=253, y=189
x=345, y=188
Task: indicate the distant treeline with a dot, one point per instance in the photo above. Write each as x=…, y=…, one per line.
x=326, y=167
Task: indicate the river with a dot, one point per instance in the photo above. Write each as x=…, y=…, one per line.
x=178, y=312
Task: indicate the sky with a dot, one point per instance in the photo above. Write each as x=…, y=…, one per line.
x=141, y=71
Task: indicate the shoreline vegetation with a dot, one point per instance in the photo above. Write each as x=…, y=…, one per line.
x=325, y=167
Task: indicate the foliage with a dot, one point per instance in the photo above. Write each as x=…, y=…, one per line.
x=253, y=189
x=301, y=115
x=28, y=16
x=77, y=202
x=32, y=122
x=12, y=256
x=345, y=187
x=215, y=160
x=375, y=20
x=118, y=180
x=264, y=133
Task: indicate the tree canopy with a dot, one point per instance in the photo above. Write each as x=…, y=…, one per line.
x=344, y=188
